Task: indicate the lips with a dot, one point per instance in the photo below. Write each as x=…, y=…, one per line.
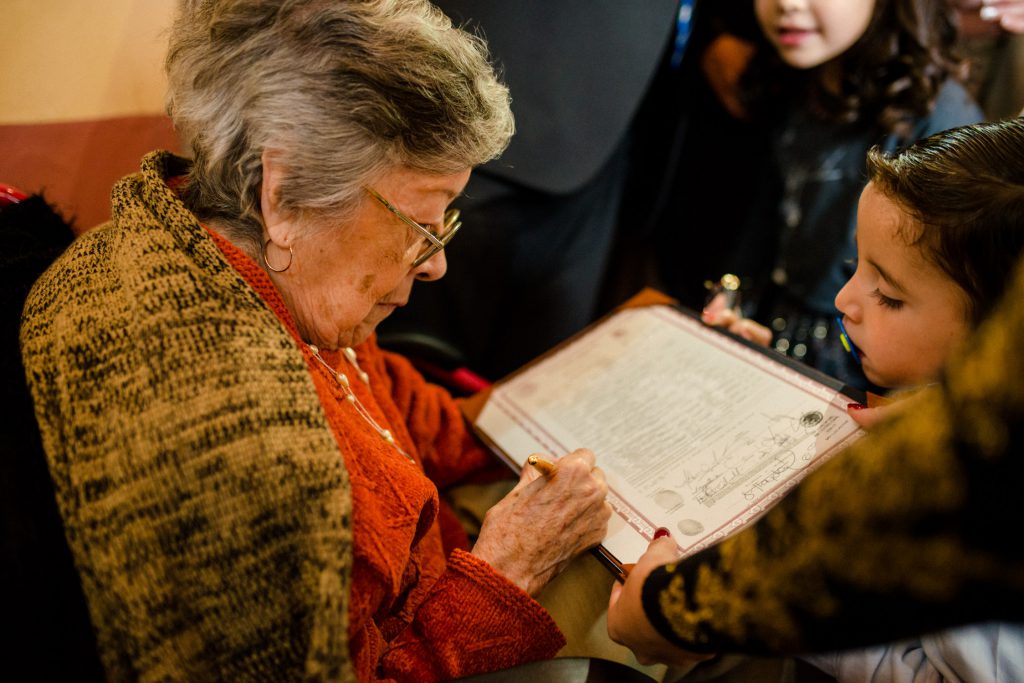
x=791, y=36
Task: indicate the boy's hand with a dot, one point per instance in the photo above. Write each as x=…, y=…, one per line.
x=717, y=314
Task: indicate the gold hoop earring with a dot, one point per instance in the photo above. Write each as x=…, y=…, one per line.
x=291, y=255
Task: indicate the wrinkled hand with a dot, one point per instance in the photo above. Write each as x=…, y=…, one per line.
x=627, y=622
x=717, y=314
x=544, y=522
x=1009, y=14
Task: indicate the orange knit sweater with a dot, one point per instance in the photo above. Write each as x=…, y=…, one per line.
x=416, y=612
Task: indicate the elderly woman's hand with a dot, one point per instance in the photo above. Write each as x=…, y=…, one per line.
x=544, y=522
x=627, y=621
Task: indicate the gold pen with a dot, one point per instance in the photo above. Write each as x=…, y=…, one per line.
x=541, y=465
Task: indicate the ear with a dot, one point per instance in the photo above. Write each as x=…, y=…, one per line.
x=276, y=221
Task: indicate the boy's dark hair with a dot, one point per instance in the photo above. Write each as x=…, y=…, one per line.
x=965, y=189
x=891, y=75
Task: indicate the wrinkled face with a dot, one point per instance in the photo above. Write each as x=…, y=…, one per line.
x=903, y=313
x=809, y=33
x=346, y=278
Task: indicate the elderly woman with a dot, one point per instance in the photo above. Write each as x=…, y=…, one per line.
x=249, y=485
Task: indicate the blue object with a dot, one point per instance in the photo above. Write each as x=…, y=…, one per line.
x=845, y=339
x=683, y=18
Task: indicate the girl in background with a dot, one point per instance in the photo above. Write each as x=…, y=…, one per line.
x=833, y=79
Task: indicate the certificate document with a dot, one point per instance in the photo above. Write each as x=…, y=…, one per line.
x=696, y=431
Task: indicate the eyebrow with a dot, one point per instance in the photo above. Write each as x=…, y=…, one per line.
x=451, y=197
x=893, y=282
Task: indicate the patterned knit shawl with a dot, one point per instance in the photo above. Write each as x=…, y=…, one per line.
x=203, y=495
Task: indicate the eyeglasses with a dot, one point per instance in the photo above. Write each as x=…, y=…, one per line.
x=434, y=243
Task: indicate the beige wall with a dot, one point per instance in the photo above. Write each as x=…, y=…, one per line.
x=82, y=96
x=66, y=60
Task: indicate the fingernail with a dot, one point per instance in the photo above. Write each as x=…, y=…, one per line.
x=855, y=406
x=661, y=533
x=989, y=13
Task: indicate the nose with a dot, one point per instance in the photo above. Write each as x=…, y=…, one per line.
x=846, y=302
x=790, y=5
x=433, y=268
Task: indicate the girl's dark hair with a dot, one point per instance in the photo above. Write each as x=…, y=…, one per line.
x=890, y=76
x=964, y=188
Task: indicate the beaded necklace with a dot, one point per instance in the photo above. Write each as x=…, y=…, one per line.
x=342, y=379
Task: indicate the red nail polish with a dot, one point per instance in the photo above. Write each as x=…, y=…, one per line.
x=661, y=533
x=855, y=406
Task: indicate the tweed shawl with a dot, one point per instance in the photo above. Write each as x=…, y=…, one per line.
x=203, y=495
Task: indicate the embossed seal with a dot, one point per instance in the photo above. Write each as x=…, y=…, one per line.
x=811, y=419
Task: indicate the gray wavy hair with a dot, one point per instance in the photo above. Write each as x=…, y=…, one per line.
x=339, y=90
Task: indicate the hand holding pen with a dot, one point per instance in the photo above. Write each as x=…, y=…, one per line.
x=533, y=533
x=723, y=310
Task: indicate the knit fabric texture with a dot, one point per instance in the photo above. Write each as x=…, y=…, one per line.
x=204, y=498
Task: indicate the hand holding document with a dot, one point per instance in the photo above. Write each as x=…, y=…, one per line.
x=696, y=431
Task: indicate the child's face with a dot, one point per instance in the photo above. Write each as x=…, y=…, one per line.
x=902, y=312
x=808, y=33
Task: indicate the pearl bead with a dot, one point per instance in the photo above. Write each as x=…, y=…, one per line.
x=350, y=396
